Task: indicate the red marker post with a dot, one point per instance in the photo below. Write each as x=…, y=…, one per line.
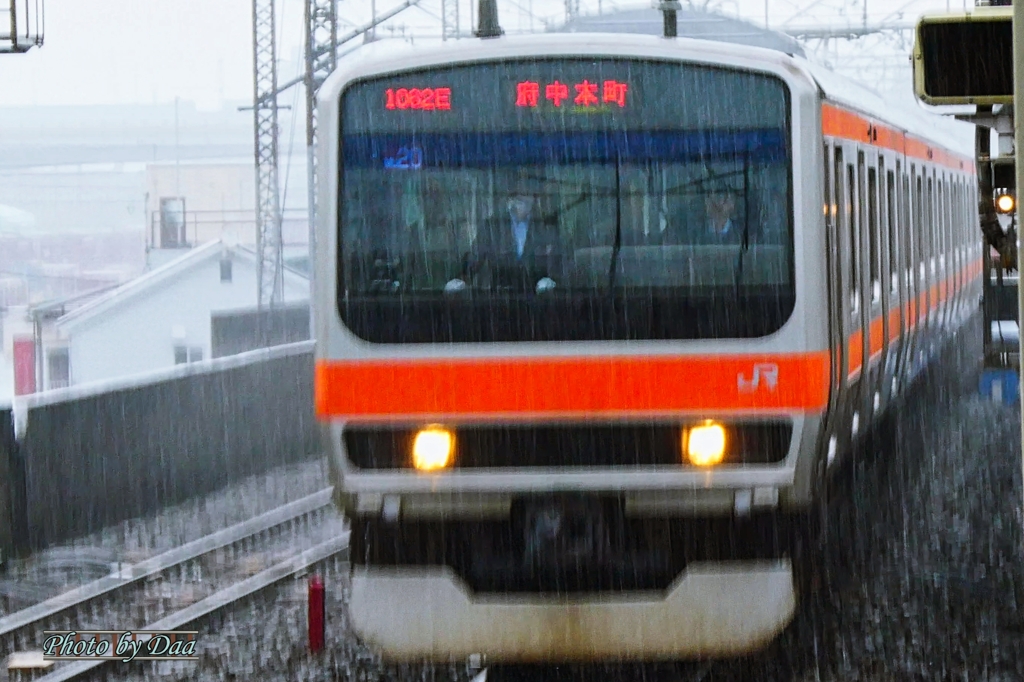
x=316, y=614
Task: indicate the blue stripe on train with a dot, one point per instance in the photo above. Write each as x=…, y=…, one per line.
x=482, y=149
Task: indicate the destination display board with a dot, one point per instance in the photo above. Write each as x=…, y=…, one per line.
x=564, y=95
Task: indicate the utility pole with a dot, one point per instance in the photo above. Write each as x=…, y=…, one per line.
x=270, y=268
x=322, y=43
x=321, y=59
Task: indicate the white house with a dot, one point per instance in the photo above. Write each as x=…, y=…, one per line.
x=159, y=319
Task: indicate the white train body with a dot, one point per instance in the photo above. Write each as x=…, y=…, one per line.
x=795, y=363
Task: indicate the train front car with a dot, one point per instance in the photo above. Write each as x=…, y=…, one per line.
x=572, y=348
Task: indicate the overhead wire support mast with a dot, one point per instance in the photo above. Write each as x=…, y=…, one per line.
x=321, y=21
x=270, y=265
x=449, y=19
x=322, y=43
x=572, y=10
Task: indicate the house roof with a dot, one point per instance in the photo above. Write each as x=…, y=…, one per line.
x=169, y=271
x=58, y=307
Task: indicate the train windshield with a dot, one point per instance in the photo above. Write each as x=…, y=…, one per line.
x=565, y=199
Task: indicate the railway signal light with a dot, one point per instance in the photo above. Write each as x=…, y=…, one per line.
x=965, y=57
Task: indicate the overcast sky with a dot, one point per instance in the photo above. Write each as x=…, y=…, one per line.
x=144, y=51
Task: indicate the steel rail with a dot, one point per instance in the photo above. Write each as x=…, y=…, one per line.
x=219, y=601
x=13, y=625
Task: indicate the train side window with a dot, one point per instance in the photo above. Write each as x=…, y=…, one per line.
x=851, y=180
x=872, y=225
x=890, y=212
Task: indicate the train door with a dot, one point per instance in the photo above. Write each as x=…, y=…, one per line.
x=903, y=178
x=931, y=262
x=951, y=278
x=958, y=255
x=831, y=191
x=871, y=292
x=882, y=239
x=892, y=280
x=916, y=269
x=897, y=267
x=851, y=336
x=942, y=240
x=961, y=255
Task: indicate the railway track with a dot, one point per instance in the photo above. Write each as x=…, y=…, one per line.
x=186, y=584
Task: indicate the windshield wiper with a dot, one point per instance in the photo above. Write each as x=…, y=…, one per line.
x=745, y=244
x=617, y=245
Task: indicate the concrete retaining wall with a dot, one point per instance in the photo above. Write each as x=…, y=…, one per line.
x=101, y=454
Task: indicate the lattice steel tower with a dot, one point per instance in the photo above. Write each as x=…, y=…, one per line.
x=449, y=19
x=572, y=10
x=321, y=20
x=270, y=268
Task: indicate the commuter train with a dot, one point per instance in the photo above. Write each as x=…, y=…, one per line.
x=605, y=455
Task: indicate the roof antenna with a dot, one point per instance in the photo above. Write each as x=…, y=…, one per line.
x=669, y=9
x=488, y=26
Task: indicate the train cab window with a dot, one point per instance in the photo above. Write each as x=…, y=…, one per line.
x=508, y=217
x=873, y=245
x=891, y=218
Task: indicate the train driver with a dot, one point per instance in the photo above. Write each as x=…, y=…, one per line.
x=721, y=223
x=519, y=247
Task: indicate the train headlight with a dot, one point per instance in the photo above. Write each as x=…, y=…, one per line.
x=704, y=445
x=1005, y=203
x=432, y=448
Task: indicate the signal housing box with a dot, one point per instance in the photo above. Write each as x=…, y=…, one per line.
x=965, y=57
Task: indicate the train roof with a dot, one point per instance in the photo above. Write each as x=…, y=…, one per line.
x=956, y=136
x=690, y=24
x=912, y=117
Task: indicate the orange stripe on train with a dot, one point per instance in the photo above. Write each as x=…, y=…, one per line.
x=915, y=311
x=838, y=122
x=549, y=387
